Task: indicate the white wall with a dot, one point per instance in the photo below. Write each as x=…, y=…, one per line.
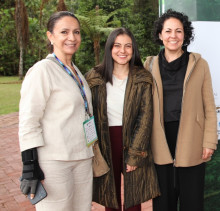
x=207, y=43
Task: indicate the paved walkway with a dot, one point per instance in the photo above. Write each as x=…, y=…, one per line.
x=11, y=198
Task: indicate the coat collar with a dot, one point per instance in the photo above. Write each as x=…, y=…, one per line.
x=136, y=75
x=193, y=60
x=94, y=78
x=140, y=75
x=152, y=64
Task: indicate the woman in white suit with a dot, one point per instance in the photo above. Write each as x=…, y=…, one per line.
x=55, y=101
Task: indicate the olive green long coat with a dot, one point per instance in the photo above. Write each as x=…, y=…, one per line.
x=139, y=185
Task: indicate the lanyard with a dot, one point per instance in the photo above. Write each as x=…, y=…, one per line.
x=80, y=85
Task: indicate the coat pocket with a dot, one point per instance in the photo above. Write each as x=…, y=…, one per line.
x=200, y=121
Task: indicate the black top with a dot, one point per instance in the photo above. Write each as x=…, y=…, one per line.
x=172, y=75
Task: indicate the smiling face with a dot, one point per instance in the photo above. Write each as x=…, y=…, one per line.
x=172, y=35
x=65, y=37
x=122, y=50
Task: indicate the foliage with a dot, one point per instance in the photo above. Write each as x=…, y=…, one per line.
x=212, y=183
x=144, y=13
x=95, y=24
x=21, y=23
x=137, y=15
x=9, y=52
x=22, y=30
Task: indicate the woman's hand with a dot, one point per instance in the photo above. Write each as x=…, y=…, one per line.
x=130, y=168
x=207, y=153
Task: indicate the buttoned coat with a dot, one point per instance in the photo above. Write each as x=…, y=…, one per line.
x=198, y=120
x=139, y=185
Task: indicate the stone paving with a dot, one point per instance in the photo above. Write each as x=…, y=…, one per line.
x=11, y=198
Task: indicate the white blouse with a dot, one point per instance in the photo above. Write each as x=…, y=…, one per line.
x=115, y=100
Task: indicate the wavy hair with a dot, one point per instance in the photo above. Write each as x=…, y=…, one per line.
x=187, y=26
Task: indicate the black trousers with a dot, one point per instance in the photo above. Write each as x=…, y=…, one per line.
x=183, y=184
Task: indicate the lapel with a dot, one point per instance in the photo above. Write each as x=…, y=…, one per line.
x=129, y=92
x=190, y=68
x=158, y=83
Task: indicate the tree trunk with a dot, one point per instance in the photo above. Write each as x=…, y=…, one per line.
x=96, y=50
x=20, y=71
x=21, y=20
x=155, y=5
x=20, y=40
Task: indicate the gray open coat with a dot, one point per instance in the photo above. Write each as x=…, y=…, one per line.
x=139, y=185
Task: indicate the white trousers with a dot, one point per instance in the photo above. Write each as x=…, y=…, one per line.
x=68, y=185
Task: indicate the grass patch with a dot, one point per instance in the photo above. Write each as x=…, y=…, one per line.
x=9, y=94
x=9, y=80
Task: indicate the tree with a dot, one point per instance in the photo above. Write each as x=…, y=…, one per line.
x=21, y=21
x=9, y=51
x=61, y=6
x=144, y=13
x=41, y=10
x=136, y=15
x=95, y=24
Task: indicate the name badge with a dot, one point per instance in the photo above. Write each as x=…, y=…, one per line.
x=90, y=131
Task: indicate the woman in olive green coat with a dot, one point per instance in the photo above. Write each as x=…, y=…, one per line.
x=122, y=69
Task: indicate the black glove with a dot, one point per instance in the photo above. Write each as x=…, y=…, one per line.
x=28, y=186
x=31, y=173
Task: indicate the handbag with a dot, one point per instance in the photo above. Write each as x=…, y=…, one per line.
x=99, y=165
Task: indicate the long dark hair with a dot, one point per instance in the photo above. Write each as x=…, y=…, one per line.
x=107, y=65
x=53, y=20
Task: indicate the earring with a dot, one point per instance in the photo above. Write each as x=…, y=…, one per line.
x=51, y=43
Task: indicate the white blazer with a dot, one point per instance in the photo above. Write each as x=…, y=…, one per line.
x=52, y=112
